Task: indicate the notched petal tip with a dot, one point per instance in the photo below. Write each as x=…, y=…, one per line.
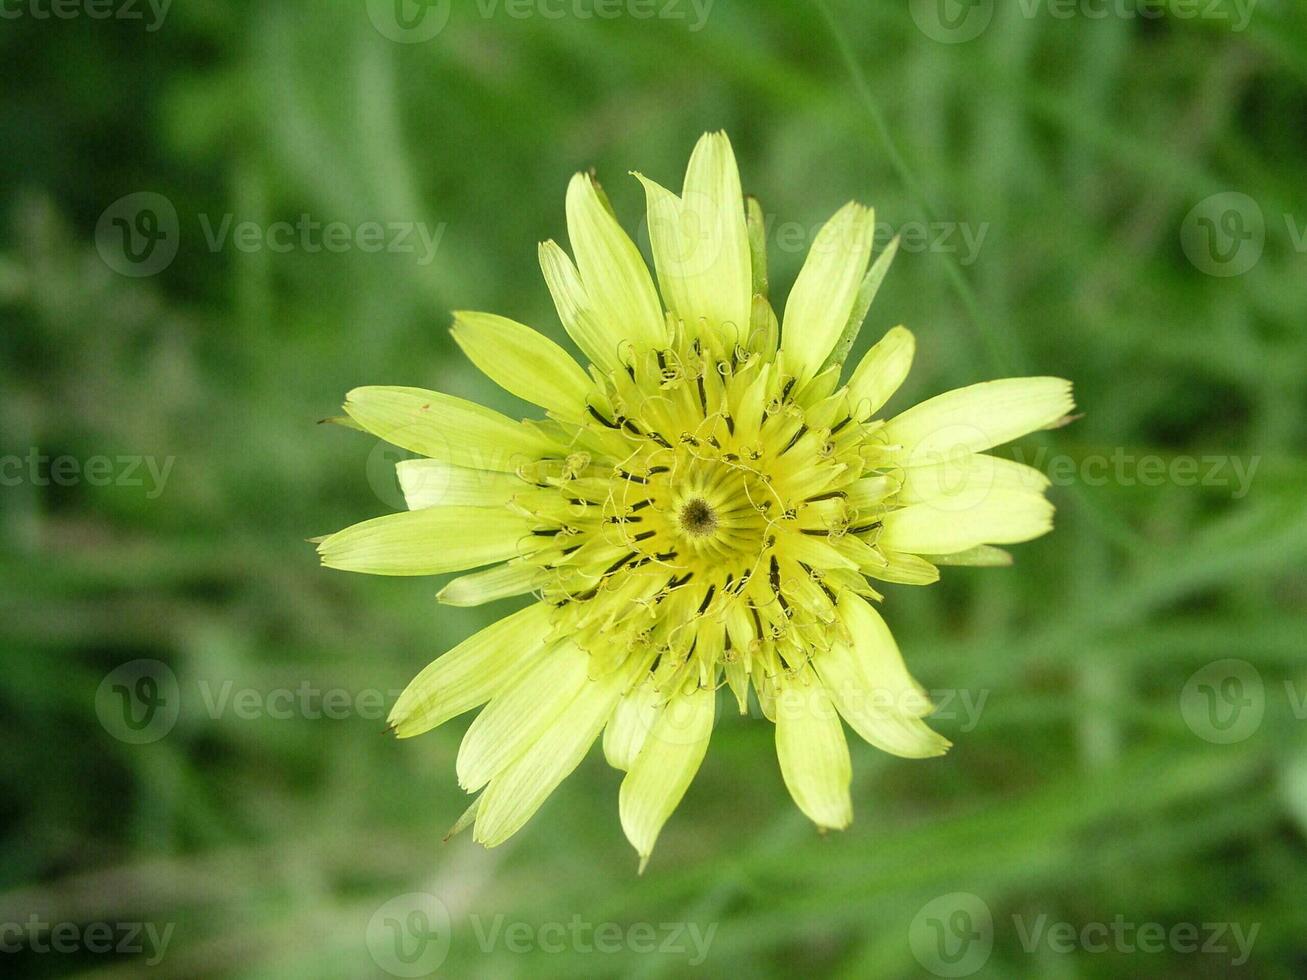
x=852, y=212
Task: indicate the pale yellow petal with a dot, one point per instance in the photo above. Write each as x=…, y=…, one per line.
x=978, y=417
x=817, y=552
x=427, y=542
x=983, y=556
x=630, y=725
x=435, y=483
x=990, y=517
x=898, y=734
x=901, y=568
x=764, y=330
x=705, y=253
x=500, y=582
x=517, y=715
x=523, y=361
x=665, y=767
x=867, y=292
x=595, y=338
x=518, y=791
x=880, y=372
x=616, y=279
x=471, y=673
x=958, y=483
x=447, y=428
x=870, y=685
x=813, y=754
x=674, y=252
x=870, y=492
x=737, y=678
x=879, y=654
x=824, y=294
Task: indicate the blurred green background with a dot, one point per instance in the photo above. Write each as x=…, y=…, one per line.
x=1128, y=702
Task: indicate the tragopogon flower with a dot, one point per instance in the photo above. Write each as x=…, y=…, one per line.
x=704, y=505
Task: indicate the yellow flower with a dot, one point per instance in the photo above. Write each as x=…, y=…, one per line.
x=704, y=504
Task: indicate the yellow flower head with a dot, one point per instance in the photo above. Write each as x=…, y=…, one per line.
x=704, y=505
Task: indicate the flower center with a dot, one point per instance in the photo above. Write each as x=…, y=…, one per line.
x=697, y=518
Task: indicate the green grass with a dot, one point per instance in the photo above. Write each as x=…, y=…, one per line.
x=1081, y=792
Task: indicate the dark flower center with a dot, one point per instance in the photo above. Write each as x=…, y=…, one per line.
x=697, y=518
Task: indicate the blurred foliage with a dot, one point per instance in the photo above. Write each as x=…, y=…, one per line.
x=1079, y=145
